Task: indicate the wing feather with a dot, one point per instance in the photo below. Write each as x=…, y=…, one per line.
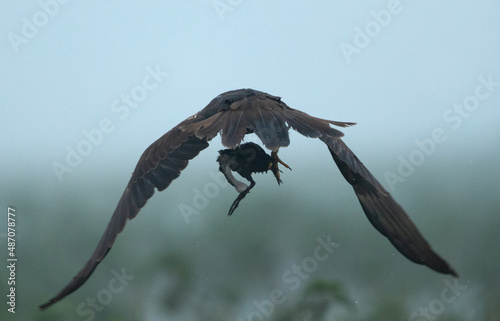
x=159, y=165
x=387, y=216
x=314, y=127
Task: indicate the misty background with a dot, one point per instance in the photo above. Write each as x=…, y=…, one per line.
x=86, y=87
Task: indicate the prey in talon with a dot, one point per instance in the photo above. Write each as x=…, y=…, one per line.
x=246, y=159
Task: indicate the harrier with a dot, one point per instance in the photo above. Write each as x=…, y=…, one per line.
x=235, y=114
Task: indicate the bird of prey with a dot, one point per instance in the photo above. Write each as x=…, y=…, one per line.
x=233, y=115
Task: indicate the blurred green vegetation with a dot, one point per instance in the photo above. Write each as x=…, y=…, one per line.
x=227, y=268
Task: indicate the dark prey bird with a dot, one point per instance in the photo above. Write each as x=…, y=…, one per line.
x=234, y=114
x=246, y=159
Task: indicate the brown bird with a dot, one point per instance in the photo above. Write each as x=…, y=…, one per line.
x=235, y=114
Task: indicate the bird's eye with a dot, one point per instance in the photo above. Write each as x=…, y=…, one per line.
x=227, y=101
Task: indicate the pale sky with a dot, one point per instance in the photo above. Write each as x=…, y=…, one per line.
x=395, y=67
x=86, y=86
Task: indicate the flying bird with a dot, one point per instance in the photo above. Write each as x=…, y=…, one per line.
x=233, y=115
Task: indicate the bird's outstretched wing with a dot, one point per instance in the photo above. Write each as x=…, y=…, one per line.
x=270, y=118
x=158, y=166
x=163, y=161
x=387, y=216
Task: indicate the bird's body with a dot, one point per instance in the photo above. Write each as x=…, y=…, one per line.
x=233, y=115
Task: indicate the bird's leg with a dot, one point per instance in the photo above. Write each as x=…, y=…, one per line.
x=226, y=170
x=240, y=197
x=273, y=165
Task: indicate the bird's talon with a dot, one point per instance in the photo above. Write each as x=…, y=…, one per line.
x=274, y=155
